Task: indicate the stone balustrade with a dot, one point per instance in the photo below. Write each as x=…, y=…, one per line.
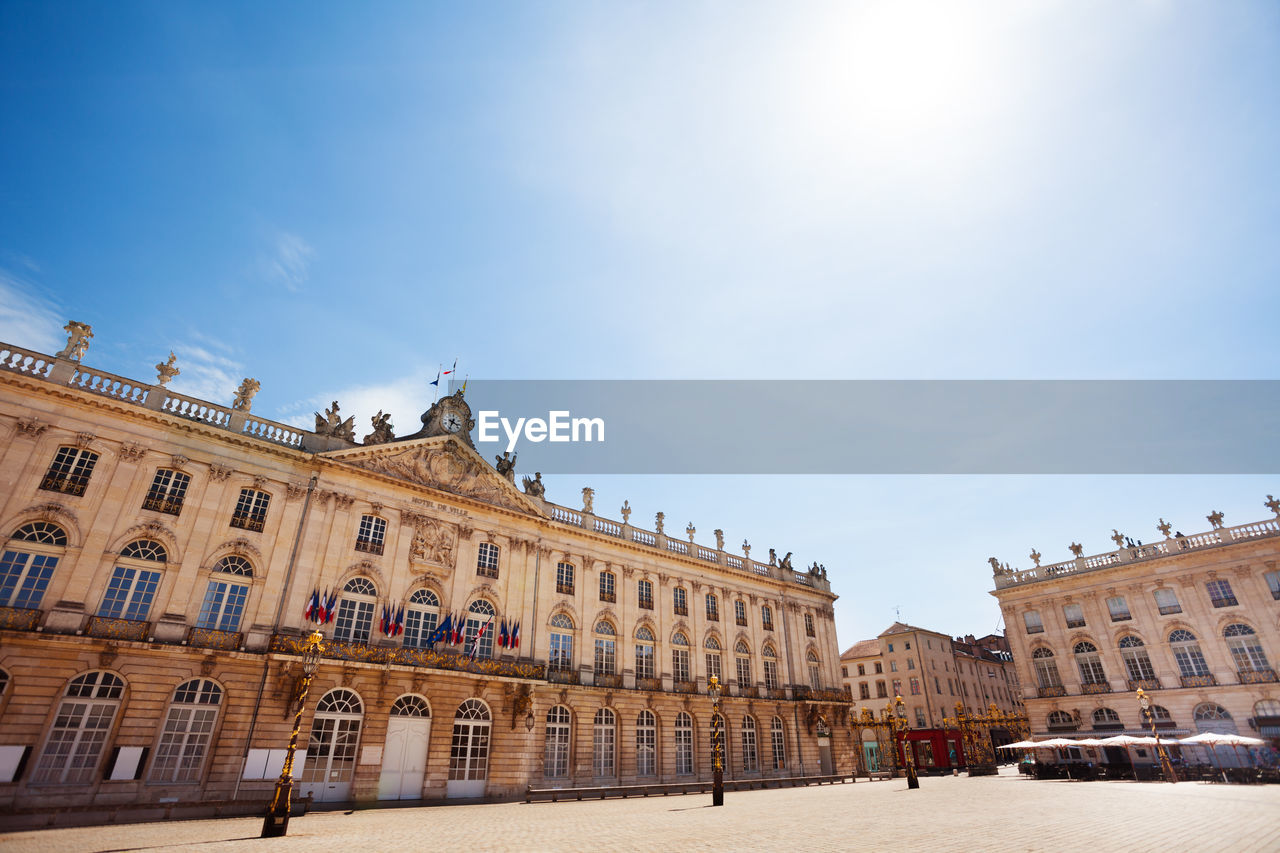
x=1170, y=546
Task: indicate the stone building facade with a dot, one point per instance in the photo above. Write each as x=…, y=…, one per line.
x=932, y=673
x=1194, y=621
x=166, y=556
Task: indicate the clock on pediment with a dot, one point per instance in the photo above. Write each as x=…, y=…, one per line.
x=447, y=416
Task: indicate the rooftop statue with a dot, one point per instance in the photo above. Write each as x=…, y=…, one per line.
x=626, y=512
x=1164, y=527
x=534, y=487
x=78, y=335
x=786, y=562
x=1117, y=537
x=383, y=429
x=1035, y=557
x=1077, y=548
x=244, y=394
x=1215, y=518
x=506, y=465
x=719, y=534
x=588, y=497
x=166, y=370
x=658, y=522
x=331, y=424
x=1273, y=505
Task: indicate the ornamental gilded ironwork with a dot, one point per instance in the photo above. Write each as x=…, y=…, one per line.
x=208, y=638
x=117, y=629
x=19, y=618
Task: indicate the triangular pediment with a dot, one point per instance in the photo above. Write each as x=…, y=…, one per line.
x=443, y=463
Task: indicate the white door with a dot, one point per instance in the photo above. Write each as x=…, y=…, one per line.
x=404, y=758
x=469, y=750
x=331, y=752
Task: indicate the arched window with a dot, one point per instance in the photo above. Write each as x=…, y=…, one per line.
x=421, y=616
x=469, y=751
x=555, y=755
x=1089, y=664
x=606, y=659
x=742, y=658
x=410, y=705
x=1137, y=663
x=713, y=607
x=778, y=740
x=25, y=569
x=712, y=646
x=684, y=744
x=680, y=657
x=479, y=630
x=1211, y=717
x=167, y=492
x=354, y=621
x=188, y=729
x=815, y=670
x=70, y=471
x=766, y=617
x=750, y=756
x=371, y=538
x=1246, y=651
x=132, y=588
x=646, y=744
x=80, y=729
x=224, y=598
x=1046, y=668
x=770, y=667
x=1061, y=720
x=331, y=750
x=644, y=653
x=1186, y=651
x=603, y=743
x=561, y=643
x=608, y=587
x=1105, y=718
x=1160, y=716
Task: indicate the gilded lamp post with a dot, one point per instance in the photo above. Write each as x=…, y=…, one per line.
x=276, y=822
x=898, y=714
x=1166, y=766
x=717, y=744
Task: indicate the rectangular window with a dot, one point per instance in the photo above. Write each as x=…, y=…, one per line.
x=1119, y=609
x=371, y=538
x=354, y=622
x=713, y=608
x=808, y=626
x=879, y=668
x=1273, y=583
x=180, y=754
x=920, y=720
x=606, y=656
x=893, y=666
x=251, y=510
x=744, y=671
x=862, y=669
x=766, y=618
x=223, y=606
x=770, y=674
x=881, y=691
x=607, y=590
x=555, y=755
x=680, y=664
x=564, y=578
x=915, y=687
x=713, y=666
x=418, y=626
x=740, y=613
x=1074, y=614
x=1167, y=601
x=23, y=578
x=602, y=749
x=167, y=492
x=684, y=750
x=897, y=687
x=864, y=690
x=646, y=595
x=779, y=745
x=561, y=652
x=1032, y=620
x=646, y=751
x=679, y=603
x=1220, y=593
x=937, y=686
x=487, y=560
x=644, y=661
x=129, y=594
x=69, y=472
x=750, y=762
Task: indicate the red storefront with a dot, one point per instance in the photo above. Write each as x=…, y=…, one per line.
x=933, y=750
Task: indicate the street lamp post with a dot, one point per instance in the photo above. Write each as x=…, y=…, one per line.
x=908, y=759
x=717, y=744
x=276, y=823
x=1166, y=766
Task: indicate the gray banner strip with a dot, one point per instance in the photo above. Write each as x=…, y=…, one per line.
x=882, y=427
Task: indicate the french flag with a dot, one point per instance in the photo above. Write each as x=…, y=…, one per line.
x=312, y=613
x=515, y=636
x=503, y=637
x=331, y=606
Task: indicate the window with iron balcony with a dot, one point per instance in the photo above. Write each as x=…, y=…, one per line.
x=679, y=603
x=646, y=595
x=607, y=589
x=167, y=492
x=740, y=614
x=251, y=510
x=70, y=470
x=372, y=534
x=1221, y=594
x=564, y=578
x=487, y=560
x=713, y=608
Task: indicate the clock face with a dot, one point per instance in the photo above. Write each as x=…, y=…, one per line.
x=451, y=422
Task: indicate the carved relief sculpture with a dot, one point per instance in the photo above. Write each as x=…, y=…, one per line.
x=433, y=542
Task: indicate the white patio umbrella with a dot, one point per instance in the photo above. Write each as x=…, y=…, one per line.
x=1212, y=739
x=1126, y=741
x=1022, y=744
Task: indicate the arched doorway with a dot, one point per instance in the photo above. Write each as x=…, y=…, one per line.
x=469, y=750
x=404, y=754
x=331, y=752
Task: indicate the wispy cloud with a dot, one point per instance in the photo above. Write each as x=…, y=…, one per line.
x=405, y=398
x=289, y=261
x=205, y=374
x=27, y=318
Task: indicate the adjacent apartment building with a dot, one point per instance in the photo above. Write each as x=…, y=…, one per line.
x=1194, y=621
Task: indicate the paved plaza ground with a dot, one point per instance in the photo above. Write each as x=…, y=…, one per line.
x=999, y=813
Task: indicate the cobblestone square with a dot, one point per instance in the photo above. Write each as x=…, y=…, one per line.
x=1002, y=813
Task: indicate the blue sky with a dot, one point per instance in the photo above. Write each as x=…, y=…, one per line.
x=336, y=198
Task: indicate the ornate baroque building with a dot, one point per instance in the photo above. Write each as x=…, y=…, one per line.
x=163, y=554
x=1192, y=620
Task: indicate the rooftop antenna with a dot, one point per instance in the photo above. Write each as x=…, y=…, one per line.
x=897, y=610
